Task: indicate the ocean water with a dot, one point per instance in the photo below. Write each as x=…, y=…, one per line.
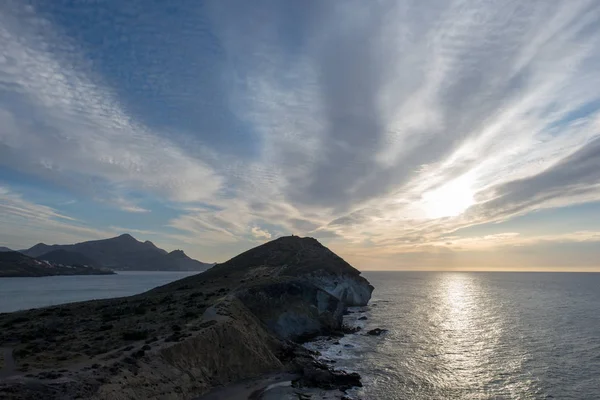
x=450, y=335
x=25, y=293
x=476, y=336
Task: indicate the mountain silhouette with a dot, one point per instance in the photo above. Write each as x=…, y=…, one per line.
x=124, y=252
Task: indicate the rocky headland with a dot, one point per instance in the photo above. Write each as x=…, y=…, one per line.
x=239, y=320
x=14, y=264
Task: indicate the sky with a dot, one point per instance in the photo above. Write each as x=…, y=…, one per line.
x=425, y=134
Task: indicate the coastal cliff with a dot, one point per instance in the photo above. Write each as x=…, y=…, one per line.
x=236, y=321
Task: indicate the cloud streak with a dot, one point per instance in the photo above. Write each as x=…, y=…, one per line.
x=384, y=125
x=20, y=217
x=62, y=124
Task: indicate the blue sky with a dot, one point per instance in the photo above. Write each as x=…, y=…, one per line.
x=403, y=134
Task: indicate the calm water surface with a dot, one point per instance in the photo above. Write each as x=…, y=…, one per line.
x=24, y=293
x=477, y=336
x=451, y=335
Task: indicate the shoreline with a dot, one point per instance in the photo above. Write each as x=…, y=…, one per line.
x=278, y=385
x=248, y=389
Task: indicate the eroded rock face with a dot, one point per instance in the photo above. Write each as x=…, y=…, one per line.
x=293, y=308
x=350, y=290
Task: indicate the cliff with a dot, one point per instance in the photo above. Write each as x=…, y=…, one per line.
x=183, y=339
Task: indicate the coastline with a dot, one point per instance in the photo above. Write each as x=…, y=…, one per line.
x=59, y=273
x=199, y=335
x=326, y=349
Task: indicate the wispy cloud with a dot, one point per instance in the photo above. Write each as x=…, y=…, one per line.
x=20, y=218
x=378, y=125
x=441, y=110
x=128, y=205
x=60, y=121
x=260, y=233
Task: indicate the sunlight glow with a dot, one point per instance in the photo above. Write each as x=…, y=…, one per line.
x=449, y=200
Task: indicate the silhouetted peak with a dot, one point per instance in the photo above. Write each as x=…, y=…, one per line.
x=126, y=237
x=177, y=253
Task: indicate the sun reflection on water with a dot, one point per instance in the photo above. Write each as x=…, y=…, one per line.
x=463, y=341
x=468, y=346
x=473, y=336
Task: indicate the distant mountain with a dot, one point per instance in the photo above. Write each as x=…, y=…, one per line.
x=3, y=249
x=125, y=253
x=185, y=263
x=15, y=264
x=66, y=257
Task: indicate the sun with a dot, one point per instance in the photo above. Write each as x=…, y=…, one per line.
x=449, y=200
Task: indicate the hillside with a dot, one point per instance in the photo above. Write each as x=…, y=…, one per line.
x=15, y=264
x=236, y=321
x=3, y=249
x=66, y=257
x=124, y=252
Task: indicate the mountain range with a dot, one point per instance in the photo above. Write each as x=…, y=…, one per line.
x=123, y=252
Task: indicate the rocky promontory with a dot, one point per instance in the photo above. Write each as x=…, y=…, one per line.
x=239, y=320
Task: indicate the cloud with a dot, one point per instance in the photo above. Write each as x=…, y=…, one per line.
x=575, y=179
x=14, y=204
x=126, y=205
x=260, y=233
x=438, y=98
x=62, y=124
x=20, y=217
x=380, y=126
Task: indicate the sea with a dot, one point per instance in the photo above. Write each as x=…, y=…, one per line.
x=25, y=293
x=449, y=335
x=475, y=335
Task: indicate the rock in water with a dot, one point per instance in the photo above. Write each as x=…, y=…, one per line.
x=320, y=375
x=229, y=323
x=376, y=332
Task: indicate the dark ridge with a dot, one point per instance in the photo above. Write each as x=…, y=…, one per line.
x=124, y=252
x=293, y=253
x=66, y=257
